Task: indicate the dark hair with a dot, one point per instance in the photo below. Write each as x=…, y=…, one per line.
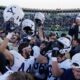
x=45, y=49
x=21, y=46
x=18, y=36
x=63, y=35
x=44, y=42
x=52, y=34
x=78, y=40
x=20, y=76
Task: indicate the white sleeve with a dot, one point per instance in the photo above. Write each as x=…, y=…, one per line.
x=65, y=64
x=5, y=75
x=36, y=51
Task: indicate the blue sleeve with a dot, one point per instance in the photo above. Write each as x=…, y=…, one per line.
x=67, y=75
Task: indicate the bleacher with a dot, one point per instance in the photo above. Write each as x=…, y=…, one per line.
x=62, y=18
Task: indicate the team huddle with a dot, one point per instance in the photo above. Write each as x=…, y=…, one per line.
x=26, y=53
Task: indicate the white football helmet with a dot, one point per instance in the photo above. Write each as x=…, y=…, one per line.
x=76, y=61
x=66, y=45
x=40, y=16
x=14, y=12
x=27, y=23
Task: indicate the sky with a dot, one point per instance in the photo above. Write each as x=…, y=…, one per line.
x=43, y=4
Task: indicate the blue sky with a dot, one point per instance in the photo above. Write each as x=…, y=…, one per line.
x=43, y=4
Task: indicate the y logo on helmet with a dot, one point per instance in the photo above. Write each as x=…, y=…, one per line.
x=11, y=10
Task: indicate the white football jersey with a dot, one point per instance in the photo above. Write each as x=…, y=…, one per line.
x=21, y=64
x=66, y=64
x=40, y=70
x=26, y=66
x=18, y=60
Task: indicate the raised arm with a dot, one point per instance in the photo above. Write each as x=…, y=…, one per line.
x=3, y=47
x=56, y=71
